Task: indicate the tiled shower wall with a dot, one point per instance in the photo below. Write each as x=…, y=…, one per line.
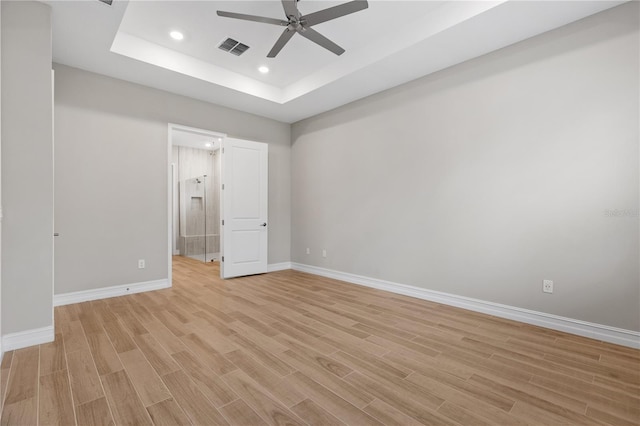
x=189, y=203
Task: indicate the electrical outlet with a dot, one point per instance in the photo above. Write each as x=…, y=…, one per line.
x=308, y=250
x=547, y=286
x=140, y=263
x=324, y=252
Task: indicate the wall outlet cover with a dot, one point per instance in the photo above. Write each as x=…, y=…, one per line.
x=547, y=286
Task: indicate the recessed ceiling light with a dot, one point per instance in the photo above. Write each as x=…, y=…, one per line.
x=263, y=69
x=176, y=35
x=208, y=144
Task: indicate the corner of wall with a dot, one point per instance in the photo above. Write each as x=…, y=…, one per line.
x=28, y=221
x=23, y=339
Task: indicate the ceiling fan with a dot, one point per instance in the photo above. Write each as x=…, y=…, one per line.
x=301, y=24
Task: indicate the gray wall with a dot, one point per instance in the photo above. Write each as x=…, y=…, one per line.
x=27, y=167
x=111, y=176
x=486, y=178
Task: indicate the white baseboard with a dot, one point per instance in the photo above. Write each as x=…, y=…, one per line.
x=273, y=267
x=106, y=292
x=602, y=332
x=23, y=339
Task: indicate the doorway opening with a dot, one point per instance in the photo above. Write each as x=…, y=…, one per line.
x=215, y=179
x=194, y=183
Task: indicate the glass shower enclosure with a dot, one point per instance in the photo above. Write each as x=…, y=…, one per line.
x=199, y=238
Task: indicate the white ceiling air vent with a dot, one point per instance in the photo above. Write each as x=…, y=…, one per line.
x=233, y=46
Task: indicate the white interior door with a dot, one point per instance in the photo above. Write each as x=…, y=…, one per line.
x=244, y=208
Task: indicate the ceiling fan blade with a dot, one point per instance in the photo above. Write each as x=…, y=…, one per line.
x=334, y=12
x=253, y=18
x=318, y=38
x=291, y=8
x=284, y=38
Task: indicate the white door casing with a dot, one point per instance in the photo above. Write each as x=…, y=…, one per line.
x=244, y=208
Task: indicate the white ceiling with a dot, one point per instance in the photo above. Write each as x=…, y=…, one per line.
x=191, y=138
x=204, y=31
x=389, y=43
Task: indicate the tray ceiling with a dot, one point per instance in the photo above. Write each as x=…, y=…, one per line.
x=389, y=43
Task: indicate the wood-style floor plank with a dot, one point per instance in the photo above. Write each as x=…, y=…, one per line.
x=159, y=359
x=242, y=414
x=420, y=405
x=73, y=336
x=23, y=380
x=259, y=399
x=293, y=348
x=85, y=382
x=489, y=406
x=354, y=395
x=315, y=415
x=277, y=386
x=23, y=412
x=388, y=415
x=544, y=404
x=104, y=354
x=265, y=353
x=123, y=400
x=94, y=412
x=145, y=380
x=214, y=359
x=56, y=406
x=210, y=384
x=331, y=402
x=196, y=406
x=167, y=413
x=120, y=340
x=52, y=356
x=5, y=368
x=169, y=341
x=21, y=400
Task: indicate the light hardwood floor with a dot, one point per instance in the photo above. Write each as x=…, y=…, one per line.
x=292, y=348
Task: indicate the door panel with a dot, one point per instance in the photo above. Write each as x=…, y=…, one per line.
x=244, y=208
x=246, y=246
x=245, y=177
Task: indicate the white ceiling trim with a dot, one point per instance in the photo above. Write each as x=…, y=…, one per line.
x=404, y=37
x=86, y=35
x=151, y=53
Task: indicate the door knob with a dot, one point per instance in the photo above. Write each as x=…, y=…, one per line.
x=263, y=224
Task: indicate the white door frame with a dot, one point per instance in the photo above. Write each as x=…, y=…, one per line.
x=172, y=127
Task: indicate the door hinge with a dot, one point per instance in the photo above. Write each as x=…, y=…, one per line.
x=223, y=258
x=222, y=222
x=223, y=186
x=223, y=150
